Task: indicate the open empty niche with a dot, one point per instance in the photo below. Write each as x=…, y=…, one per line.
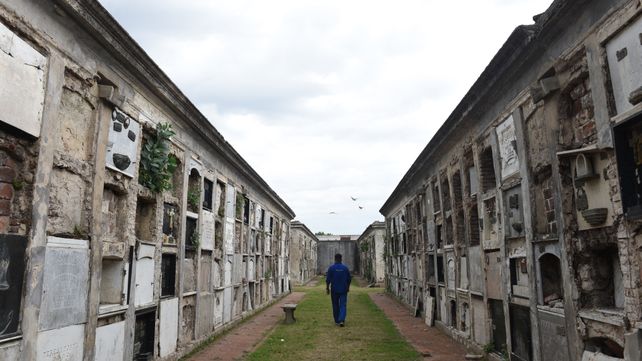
x=600, y=278
x=218, y=238
x=628, y=136
x=604, y=345
x=487, y=168
x=440, y=235
x=436, y=203
x=114, y=214
x=208, y=194
x=145, y=219
x=246, y=210
x=445, y=192
x=473, y=222
x=191, y=233
x=430, y=270
x=12, y=271
x=144, y=335
x=219, y=201
x=551, y=280
x=177, y=178
x=168, y=275
x=457, y=190
x=460, y=224
x=113, y=292
x=194, y=191
x=448, y=234
x=440, y=269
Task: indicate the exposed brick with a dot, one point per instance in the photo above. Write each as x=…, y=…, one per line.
x=5, y=207
x=6, y=191
x=7, y=174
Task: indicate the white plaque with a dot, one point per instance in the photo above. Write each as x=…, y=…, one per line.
x=22, y=70
x=122, y=145
x=110, y=341
x=168, y=326
x=507, y=147
x=207, y=233
x=62, y=344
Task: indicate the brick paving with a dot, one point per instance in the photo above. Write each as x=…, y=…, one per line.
x=243, y=339
x=428, y=341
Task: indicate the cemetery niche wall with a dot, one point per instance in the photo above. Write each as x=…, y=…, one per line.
x=118, y=224
x=541, y=160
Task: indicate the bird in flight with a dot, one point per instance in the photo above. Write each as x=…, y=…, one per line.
x=353, y=198
x=332, y=213
x=360, y=207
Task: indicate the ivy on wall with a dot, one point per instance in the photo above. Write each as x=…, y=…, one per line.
x=156, y=164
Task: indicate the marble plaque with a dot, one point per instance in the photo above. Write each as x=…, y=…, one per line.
x=65, y=283
x=168, y=326
x=429, y=309
x=122, y=145
x=229, y=236
x=144, y=275
x=207, y=230
x=22, y=70
x=507, y=147
x=62, y=344
x=110, y=341
x=227, y=305
x=12, y=269
x=205, y=319
x=624, y=53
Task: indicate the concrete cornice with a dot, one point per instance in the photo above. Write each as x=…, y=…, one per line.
x=297, y=224
x=119, y=44
x=374, y=225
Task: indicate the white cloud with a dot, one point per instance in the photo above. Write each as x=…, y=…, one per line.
x=326, y=100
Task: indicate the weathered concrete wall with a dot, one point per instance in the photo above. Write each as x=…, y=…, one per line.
x=526, y=200
x=303, y=253
x=94, y=264
x=327, y=249
x=371, y=252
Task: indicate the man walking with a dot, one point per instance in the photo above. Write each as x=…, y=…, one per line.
x=338, y=276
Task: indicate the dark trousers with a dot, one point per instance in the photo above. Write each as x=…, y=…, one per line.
x=339, y=306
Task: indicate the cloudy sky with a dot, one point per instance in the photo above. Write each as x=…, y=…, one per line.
x=325, y=99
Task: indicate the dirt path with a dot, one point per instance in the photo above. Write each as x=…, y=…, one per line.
x=242, y=339
x=429, y=341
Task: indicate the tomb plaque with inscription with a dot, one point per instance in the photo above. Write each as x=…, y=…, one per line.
x=207, y=225
x=507, y=147
x=65, y=283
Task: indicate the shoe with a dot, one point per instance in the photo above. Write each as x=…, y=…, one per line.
x=341, y=324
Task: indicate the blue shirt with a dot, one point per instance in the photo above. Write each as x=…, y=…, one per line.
x=338, y=277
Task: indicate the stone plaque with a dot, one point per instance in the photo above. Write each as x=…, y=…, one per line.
x=429, y=309
x=624, y=53
x=122, y=145
x=62, y=344
x=22, y=69
x=207, y=230
x=229, y=236
x=110, y=341
x=553, y=342
x=12, y=269
x=507, y=147
x=65, y=283
x=144, y=275
x=168, y=326
x=227, y=305
x=205, y=319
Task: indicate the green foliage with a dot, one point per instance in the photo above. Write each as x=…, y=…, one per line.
x=364, y=247
x=156, y=164
x=488, y=348
x=18, y=184
x=240, y=202
x=323, y=234
x=195, y=240
x=194, y=198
